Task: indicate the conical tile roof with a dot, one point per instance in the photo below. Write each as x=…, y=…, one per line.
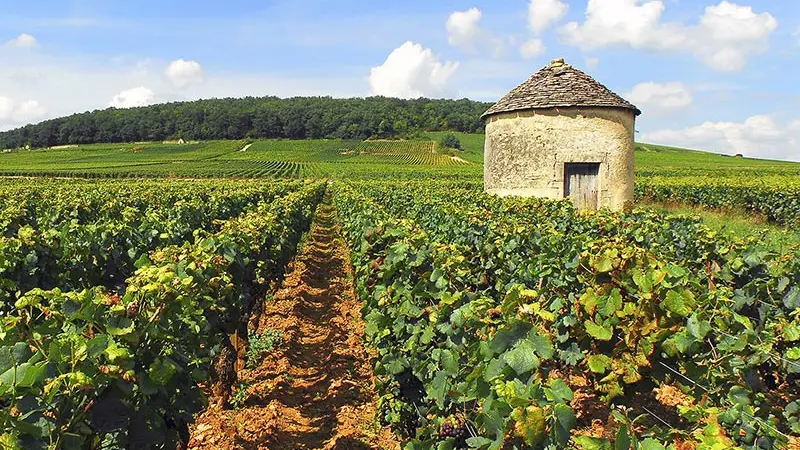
x=559, y=85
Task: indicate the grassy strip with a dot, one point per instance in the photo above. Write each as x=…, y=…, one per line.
x=734, y=223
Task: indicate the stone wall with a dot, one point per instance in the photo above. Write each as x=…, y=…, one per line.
x=526, y=151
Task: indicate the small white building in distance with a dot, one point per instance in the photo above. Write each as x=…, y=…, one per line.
x=561, y=134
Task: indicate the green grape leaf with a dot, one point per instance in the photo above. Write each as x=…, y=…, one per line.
x=598, y=331
x=479, y=442
x=592, y=443
x=607, y=305
x=677, y=304
x=450, y=362
x=572, y=356
x=143, y=261
x=494, y=369
x=565, y=422
x=622, y=440
x=697, y=327
x=651, y=444
x=438, y=388
x=599, y=363
x=792, y=298
x=558, y=392
x=162, y=370
x=522, y=357
x=739, y=396
x=544, y=348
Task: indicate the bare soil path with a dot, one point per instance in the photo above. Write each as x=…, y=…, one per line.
x=316, y=389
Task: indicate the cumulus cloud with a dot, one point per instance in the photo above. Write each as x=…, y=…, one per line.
x=724, y=39
x=660, y=97
x=132, y=98
x=464, y=32
x=615, y=22
x=182, y=73
x=544, y=13
x=532, y=48
x=6, y=108
x=412, y=71
x=758, y=136
x=541, y=15
x=29, y=111
x=736, y=32
x=462, y=27
x=24, y=40
x=77, y=83
x=26, y=112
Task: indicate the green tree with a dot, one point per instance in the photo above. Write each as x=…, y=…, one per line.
x=264, y=117
x=450, y=141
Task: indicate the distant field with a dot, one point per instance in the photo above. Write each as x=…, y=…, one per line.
x=332, y=158
x=320, y=158
x=670, y=161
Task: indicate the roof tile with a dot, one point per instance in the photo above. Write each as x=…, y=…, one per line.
x=559, y=85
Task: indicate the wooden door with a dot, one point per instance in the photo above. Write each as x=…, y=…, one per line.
x=581, y=184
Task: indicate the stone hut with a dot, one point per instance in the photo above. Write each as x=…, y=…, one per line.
x=561, y=134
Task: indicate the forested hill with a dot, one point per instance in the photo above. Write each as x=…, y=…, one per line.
x=266, y=117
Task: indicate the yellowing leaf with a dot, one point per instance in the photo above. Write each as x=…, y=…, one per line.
x=676, y=304
x=589, y=301
x=599, y=363
x=598, y=331
x=603, y=264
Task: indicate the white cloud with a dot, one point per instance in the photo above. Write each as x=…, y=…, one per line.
x=462, y=27
x=736, y=32
x=532, y=48
x=24, y=40
x=660, y=96
x=464, y=32
x=543, y=13
x=412, y=71
x=615, y=22
x=132, y=98
x=724, y=39
x=78, y=83
x=182, y=73
x=797, y=35
x=29, y=111
x=592, y=62
x=758, y=136
x=6, y=108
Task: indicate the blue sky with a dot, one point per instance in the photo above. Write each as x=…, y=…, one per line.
x=718, y=75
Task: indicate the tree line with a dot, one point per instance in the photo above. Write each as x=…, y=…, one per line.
x=265, y=117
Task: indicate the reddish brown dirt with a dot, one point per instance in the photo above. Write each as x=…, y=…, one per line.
x=316, y=389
